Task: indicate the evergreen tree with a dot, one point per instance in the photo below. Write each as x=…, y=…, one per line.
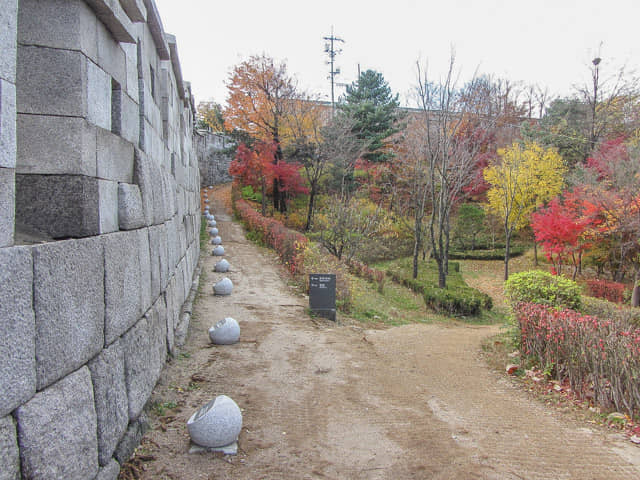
x=373, y=109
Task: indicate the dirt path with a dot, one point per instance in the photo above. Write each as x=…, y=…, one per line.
x=327, y=401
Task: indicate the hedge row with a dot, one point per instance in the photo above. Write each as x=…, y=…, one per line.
x=598, y=357
x=612, y=291
x=289, y=245
x=495, y=254
x=458, y=301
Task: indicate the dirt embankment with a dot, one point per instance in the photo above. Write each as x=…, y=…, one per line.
x=331, y=401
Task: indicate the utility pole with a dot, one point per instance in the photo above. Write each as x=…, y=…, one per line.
x=331, y=51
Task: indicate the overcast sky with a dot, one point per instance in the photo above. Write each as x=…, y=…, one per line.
x=545, y=42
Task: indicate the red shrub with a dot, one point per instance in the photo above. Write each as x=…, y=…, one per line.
x=289, y=244
x=594, y=354
x=612, y=291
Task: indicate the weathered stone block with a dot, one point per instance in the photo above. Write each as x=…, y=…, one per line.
x=114, y=157
x=17, y=329
x=114, y=18
x=111, y=401
x=59, y=91
x=223, y=287
x=111, y=56
x=8, y=25
x=143, y=177
x=143, y=361
x=158, y=330
x=57, y=431
x=7, y=206
x=130, y=212
x=69, y=307
x=121, y=284
x=173, y=244
x=98, y=88
x=216, y=424
x=7, y=124
x=225, y=332
x=170, y=300
x=159, y=258
x=9, y=454
x=129, y=119
x=108, y=205
x=131, y=439
x=145, y=269
x=179, y=276
x=131, y=64
x=63, y=24
x=52, y=145
x=60, y=205
x=110, y=471
x=135, y=10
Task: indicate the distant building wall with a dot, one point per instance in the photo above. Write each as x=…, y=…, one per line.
x=214, y=157
x=99, y=229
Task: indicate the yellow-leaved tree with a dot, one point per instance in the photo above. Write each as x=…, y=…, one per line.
x=523, y=177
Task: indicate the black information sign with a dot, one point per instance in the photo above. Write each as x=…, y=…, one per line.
x=322, y=294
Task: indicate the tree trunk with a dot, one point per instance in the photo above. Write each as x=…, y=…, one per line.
x=312, y=195
x=416, y=250
x=535, y=253
x=635, y=296
x=507, y=248
x=442, y=276
x=263, y=203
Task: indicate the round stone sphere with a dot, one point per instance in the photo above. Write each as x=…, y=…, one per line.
x=213, y=231
x=223, y=287
x=212, y=223
x=225, y=332
x=222, y=266
x=217, y=240
x=216, y=424
x=218, y=251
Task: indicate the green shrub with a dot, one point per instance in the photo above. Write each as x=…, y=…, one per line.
x=249, y=194
x=604, y=309
x=542, y=288
x=487, y=254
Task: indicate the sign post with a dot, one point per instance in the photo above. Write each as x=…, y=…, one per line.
x=322, y=295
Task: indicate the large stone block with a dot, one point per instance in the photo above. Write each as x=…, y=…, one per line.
x=114, y=157
x=130, y=119
x=7, y=206
x=63, y=24
x=135, y=10
x=110, y=392
x=170, y=300
x=69, y=306
x=108, y=206
x=111, y=56
x=9, y=454
x=143, y=177
x=8, y=25
x=17, y=329
x=145, y=269
x=130, y=212
x=61, y=205
x=131, y=439
x=52, y=81
x=158, y=328
x=131, y=65
x=122, y=296
x=159, y=258
x=98, y=88
x=56, y=145
x=113, y=17
x=143, y=361
x=7, y=124
x=57, y=431
x=173, y=244
x=110, y=471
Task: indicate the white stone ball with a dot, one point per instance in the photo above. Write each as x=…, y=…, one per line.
x=217, y=240
x=223, y=287
x=222, y=266
x=216, y=424
x=212, y=223
x=225, y=332
x=218, y=251
x=213, y=231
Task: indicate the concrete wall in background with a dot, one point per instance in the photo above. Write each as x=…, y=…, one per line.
x=214, y=157
x=99, y=229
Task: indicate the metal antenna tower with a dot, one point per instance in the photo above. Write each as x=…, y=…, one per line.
x=331, y=51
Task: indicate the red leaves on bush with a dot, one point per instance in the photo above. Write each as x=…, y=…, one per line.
x=612, y=291
x=289, y=244
x=594, y=354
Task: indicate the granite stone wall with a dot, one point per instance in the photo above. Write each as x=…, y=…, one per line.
x=99, y=229
x=213, y=150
